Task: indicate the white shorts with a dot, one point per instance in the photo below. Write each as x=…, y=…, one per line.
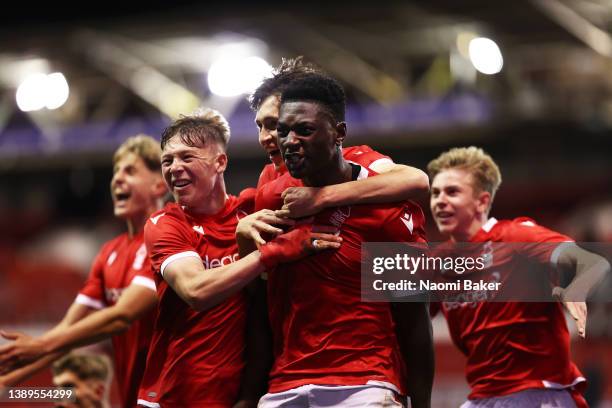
x=345, y=396
x=535, y=398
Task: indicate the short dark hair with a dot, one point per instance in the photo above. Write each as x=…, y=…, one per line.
x=84, y=366
x=320, y=89
x=199, y=129
x=288, y=71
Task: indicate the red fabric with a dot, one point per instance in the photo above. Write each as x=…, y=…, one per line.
x=513, y=346
x=195, y=358
x=116, y=265
x=287, y=247
x=323, y=333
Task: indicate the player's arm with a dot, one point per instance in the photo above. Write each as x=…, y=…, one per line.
x=395, y=182
x=590, y=269
x=414, y=334
x=133, y=303
x=21, y=374
x=203, y=289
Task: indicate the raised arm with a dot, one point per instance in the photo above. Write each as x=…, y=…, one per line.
x=395, y=182
x=133, y=303
x=590, y=270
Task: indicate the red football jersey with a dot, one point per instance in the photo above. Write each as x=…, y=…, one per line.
x=195, y=358
x=122, y=262
x=363, y=155
x=513, y=346
x=323, y=333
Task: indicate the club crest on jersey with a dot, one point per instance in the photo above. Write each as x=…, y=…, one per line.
x=140, y=257
x=339, y=216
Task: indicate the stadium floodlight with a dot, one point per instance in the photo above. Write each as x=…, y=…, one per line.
x=40, y=91
x=57, y=90
x=486, y=56
x=233, y=76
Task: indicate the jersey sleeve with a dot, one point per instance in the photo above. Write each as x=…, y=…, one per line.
x=167, y=239
x=92, y=293
x=537, y=242
x=365, y=156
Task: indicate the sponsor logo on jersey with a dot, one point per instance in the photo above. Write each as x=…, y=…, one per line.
x=217, y=262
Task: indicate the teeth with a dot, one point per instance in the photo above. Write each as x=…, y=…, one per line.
x=181, y=183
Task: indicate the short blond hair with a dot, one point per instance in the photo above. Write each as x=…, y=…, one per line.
x=84, y=366
x=483, y=168
x=142, y=146
x=202, y=127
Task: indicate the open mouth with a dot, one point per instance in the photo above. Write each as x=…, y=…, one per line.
x=178, y=184
x=274, y=154
x=443, y=215
x=294, y=160
x=121, y=197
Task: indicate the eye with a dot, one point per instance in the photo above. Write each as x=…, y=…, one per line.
x=282, y=131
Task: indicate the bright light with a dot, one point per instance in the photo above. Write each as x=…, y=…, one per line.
x=232, y=76
x=40, y=90
x=57, y=90
x=485, y=56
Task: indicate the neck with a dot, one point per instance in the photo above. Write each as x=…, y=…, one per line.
x=339, y=171
x=136, y=224
x=468, y=233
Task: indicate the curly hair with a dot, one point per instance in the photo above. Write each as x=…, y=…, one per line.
x=289, y=70
x=320, y=89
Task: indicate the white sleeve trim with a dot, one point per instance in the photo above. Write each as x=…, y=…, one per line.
x=146, y=403
x=380, y=162
x=174, y=257
x=82, y=299
x=144, y=281
x=554, y=257
x=557, y=386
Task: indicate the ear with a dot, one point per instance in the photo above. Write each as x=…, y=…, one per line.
x=159, y=186
x=99, y=389
x=483, y=202
x=221, y=162
x=340, y=133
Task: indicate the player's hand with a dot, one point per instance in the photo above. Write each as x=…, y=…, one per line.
x=22, y=350
x=302, y=201
x=252, y=226
x=578, y=310
x=298, y=243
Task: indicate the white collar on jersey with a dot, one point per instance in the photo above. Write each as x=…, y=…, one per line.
x=488, y=226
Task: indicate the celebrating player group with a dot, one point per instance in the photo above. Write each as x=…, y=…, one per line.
x=220, y=301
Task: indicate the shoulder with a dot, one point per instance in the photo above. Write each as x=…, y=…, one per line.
x=524, y=229
x=269, y=195
x=170, y=215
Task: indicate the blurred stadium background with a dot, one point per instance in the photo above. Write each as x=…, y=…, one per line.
x=538, y=98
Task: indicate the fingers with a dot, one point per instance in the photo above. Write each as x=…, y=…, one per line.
x=9, y=335
x=283, y=213
x=578, y=311
x=288, y=190
x=321, y=242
